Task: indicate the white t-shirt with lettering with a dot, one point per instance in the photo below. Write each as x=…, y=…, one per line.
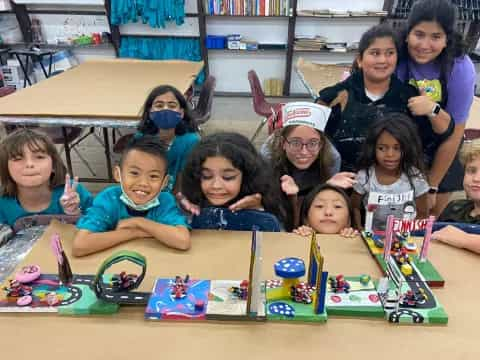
x=394, y=199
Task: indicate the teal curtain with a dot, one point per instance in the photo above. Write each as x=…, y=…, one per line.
x=162, y=48
x=152, y=12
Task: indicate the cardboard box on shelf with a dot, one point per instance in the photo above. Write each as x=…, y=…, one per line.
x=5, y=5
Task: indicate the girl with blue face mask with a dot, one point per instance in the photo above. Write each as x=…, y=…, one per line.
x=166, y=114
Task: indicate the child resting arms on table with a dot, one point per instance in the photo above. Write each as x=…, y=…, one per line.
x=136, y=208
x=464, y=211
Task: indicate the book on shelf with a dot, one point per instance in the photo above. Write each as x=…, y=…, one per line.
x=248, y=7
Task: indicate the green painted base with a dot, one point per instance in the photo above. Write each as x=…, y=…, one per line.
x=288, y=310
x=433, y=315
x=88, y=304
x=361, y=301
x=428, y=271
x=303, y=312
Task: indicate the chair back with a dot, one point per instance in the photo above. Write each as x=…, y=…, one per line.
x=203, y=110
x=242, y=220
x=260, y=105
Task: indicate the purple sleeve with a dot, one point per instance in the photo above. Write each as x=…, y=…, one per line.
x=401, y=71
x=460, y=89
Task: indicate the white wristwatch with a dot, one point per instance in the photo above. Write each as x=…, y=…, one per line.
x=436, y=109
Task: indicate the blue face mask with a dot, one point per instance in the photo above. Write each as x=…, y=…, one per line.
x=165, y=119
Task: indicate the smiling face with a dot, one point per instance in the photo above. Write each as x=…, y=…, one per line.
x=426, y=41
x=379, y=60
x=471, y=180
x=142, y=176
x=388, y=152
x=302, y=146
x=220, y=181
x=329, y=213
x=32, y=168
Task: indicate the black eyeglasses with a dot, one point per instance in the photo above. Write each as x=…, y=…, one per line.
x=297, y=144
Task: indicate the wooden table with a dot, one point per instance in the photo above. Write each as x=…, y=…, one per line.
x=225, y=255
x=97, y=93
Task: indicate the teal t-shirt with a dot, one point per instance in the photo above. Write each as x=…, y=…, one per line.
x=11, y=209
x=179, y=150
x=107, y=210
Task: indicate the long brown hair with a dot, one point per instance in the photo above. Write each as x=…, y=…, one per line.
x=12, y=146
x=281, y=165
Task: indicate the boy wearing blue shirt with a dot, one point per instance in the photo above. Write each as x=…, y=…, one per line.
x=136, y=208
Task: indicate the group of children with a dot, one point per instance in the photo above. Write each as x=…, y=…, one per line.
x=168, y=172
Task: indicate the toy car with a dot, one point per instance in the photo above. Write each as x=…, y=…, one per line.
x=406, y=269
x=377, y=240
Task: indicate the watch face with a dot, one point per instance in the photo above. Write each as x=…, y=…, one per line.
x=436, y=109
x=432, y=191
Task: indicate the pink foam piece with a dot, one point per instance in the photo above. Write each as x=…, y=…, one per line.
x=28, y=274
x=24, y=300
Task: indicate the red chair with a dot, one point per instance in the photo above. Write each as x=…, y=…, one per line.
x=271, y=112
x=471, y=134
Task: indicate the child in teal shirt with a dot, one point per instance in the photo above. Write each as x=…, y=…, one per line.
x=137, y=207
x=33, y=179
x=166, y=114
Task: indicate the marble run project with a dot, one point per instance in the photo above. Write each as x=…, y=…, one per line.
x=190, y=299
x=403, y=296
x=397, y=238
x=405, y=293
x=73, y=294
x=293, y=300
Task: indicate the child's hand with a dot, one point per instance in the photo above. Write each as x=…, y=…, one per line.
x=303, y=230
x=70, y=200
x=344, y=180
x=349, y=232
x=288, y=185
x=421, y=105
x=131, y=223
x=134, y=226
x=187, y=205
x=451, y=235
x=253, y=202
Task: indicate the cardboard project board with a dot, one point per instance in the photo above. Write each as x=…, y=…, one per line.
x=225, y=254
x=316, y=77
x=473, y=121
x=113, y=88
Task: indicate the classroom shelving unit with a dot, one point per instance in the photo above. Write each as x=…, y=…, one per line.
x=350, y=18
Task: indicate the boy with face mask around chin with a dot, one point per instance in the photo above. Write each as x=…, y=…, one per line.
x=137, y=208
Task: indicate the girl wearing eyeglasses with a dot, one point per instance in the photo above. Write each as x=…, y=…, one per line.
x=301, y=155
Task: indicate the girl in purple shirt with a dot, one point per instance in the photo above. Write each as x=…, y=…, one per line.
x=434, y=60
